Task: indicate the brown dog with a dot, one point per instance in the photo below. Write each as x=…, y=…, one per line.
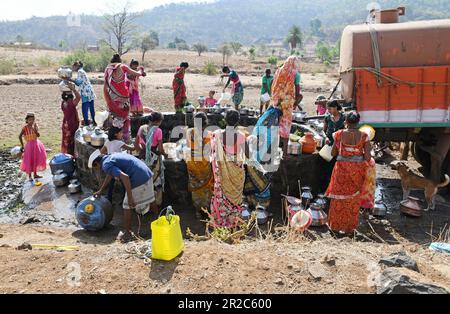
x=411, y=181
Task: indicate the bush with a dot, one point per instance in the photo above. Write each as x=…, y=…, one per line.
x=45, y=61
x=273, y=60
x=93, y=61
x=210, y=69
x=7, y=67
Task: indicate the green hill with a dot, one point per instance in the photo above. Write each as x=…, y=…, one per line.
x=246, y=21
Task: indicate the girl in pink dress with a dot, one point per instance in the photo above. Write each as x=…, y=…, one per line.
x=34, y=157
x=136, y=107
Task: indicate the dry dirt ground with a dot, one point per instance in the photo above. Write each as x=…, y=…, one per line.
x=299, y=266
x=18, y=99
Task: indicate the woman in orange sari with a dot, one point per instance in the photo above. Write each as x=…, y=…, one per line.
x=201, y=180
x=352, y=148
x=286, y=96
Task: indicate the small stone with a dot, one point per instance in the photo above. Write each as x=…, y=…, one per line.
x=5, y=246
x=221, y=260
x=25, y=247
x=1, y=235
x=59, y=280
x=290, y=266
x=101, y=291
x=317, y=271
x=169, y=290
x=279, y=282
x=329, y=260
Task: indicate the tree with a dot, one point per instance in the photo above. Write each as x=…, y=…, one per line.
x=316, y=26
x=323, y=52
x=295, y=37
x=119, y=27
x=146, y=41
x=200, y=48
x=19, y=39
x=62, y=44
x=226, y=52
x=272, y=60
x=236, y=46
x=252, y=52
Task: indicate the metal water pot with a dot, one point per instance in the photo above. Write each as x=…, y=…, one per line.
x=246, y=213
x=294, y=148
x=201, y=101
x=262, y=216
x=74, y=187
x=319, y=217
x=60, y=179
x=98, y=138
x=65, y=73
x=87, y=134
x=322, y=201
x=243, y=111
x=380, y=210
x=189, y=109
x=307, y=196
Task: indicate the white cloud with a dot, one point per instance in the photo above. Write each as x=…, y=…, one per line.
x=23, y=9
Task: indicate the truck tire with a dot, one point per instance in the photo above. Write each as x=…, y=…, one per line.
x=423, y=158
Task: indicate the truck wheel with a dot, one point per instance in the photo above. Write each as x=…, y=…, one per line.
x=423, y=158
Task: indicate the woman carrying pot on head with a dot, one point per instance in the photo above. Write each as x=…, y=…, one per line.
x=86, y=91
x=71, y=122
x=348, y=187
x=117, y=93
x=179, y=87
x=286, y=96
x=237, y=88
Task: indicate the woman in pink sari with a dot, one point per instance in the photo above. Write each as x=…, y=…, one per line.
x=117, y=94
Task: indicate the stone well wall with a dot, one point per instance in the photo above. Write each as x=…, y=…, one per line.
x=306, y=168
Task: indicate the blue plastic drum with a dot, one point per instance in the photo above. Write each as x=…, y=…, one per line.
x=94, y=214
x=63, y=162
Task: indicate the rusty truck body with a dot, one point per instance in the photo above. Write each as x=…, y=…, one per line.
x=397, y=75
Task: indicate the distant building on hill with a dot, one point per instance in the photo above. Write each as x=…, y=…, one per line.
x=93, y=48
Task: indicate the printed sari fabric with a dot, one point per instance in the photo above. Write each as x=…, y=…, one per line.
x=347, y=183
x=70, y=126
x=154, y=161
x=201, y=180
x=257, y=187
x=117, y=97
x=266, y=142
x=136, y=105
x=237, y=88
x=179, y=89
x=229, y=180
x=283, y=94
x=369, y=187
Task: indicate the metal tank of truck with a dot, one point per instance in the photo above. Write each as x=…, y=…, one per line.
x=397, y=75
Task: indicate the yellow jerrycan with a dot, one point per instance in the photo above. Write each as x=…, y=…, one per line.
x=167, y=240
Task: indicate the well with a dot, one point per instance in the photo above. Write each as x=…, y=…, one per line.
x=307, y=168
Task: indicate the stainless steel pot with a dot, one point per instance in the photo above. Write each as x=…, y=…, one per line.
x=87, y=134
x=294, y=148
x=98, y=138
x=60, y=179
x=74, y=187
x=318, y=215
x=299, y=116
x=246, y=214
x=262, y=216
x=322, y=201
x=217, y=109
x=189, y=109
x=244, y=111
x=380, y=210
x=65, y=73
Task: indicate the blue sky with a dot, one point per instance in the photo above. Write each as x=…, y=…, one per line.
x=23, y=9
